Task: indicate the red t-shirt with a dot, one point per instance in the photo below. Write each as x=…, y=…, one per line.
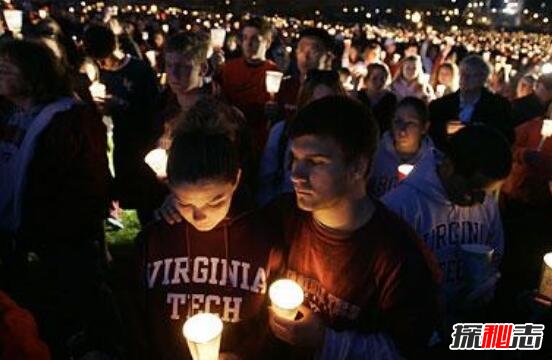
x=244, y=85
x=380, y=278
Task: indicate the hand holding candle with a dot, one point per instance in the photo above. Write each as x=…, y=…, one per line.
x=97, y=90
x=202, y=333
x=286, y=297
x=273, y=81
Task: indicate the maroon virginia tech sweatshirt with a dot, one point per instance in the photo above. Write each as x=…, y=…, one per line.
x=223, y=271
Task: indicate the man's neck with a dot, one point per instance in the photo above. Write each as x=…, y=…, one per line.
x=255, y=61
x=188, y=99
x=348, y=215
x=407, y=154
x=471, y=96
x=24, y=103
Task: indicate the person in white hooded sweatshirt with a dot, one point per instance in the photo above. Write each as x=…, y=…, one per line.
x=448, y=200
x=405, y=144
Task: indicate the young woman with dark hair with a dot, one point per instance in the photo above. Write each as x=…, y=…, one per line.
x=405, y=144
x=211, y=253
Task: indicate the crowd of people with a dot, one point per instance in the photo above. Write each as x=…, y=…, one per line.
x=386, y=156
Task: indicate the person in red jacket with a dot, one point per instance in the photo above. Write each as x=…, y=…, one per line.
x=243, y=79
x=54, y=191
x=370, y=284
x=218, y=258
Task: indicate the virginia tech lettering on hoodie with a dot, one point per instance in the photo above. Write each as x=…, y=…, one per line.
x=224, y=271
x=206, y=270
x=422, y=201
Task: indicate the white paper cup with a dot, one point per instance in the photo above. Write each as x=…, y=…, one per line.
x=546, y=129
x=477, y=262
x=286, y=297
x=273, y=81
x=217, y=37
x=14, y=20
x=97, y=90
x=157, y=161
x=203, y=332
x=545, y=287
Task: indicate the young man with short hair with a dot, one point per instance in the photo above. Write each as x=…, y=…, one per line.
x=243, y=79
x=314, y=51
x=131, y=89
x=185, y=66
x=448, y=200
x=370, y=288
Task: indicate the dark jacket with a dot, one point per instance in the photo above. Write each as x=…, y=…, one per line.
x=492, y=110
x=527, y=108
x=66, y=196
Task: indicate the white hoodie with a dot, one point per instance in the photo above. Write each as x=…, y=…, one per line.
x=422, y=201
x=383, y=176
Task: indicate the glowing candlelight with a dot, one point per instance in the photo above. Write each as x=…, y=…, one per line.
x=286, y=296
x=165, y=28
x=157, y=161
x=545, y=287
x=440, y=90
x=546, y=132
x=97, y=90
x=202, y=333
x=151, y=55
x=14, y=20
x=217, y=37
x=145, y=35
x=454, y=126
x=546, y=68
x=43, y=14
x=273, y=81
x=404, y=170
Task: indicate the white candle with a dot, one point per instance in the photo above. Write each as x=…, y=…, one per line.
x=404, y=170
x=145, y=35
x=546, y=131
x=545, y=287
x=14, y=20
x=273, y=81
x=157, y=161
x=202, y=333
x=165, y=28
x=217, y=37
x=286, y=296
x=440, y=90
x=151, y=55
x=97, y=90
